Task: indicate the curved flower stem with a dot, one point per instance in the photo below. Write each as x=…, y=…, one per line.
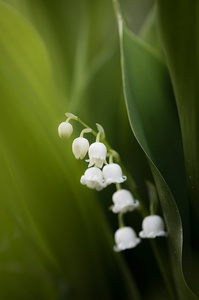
x=86, y=126
x=85, y=130
x=130, y=182
x=95, y=133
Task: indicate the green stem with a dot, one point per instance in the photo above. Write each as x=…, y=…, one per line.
x=118, y=186
x=111, y=159
x=120, y=220
x=86, y=126
x=85, y=130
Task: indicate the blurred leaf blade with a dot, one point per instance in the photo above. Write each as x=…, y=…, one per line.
x=149, y=32
x=154, y=121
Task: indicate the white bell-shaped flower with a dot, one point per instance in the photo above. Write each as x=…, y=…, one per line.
x=97, y=154
x=125, y=238
x=80, y=147
x=65, y=130
x=152, y=226
x=123, y=201
x=93, y=179
x=112, y=173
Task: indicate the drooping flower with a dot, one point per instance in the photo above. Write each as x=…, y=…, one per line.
x=97, y=154
x=125, y=238
x=65, y=130
x=152, y=226
x=80, y=147
x=93, y=179
x=112, y=173
x=123, y=201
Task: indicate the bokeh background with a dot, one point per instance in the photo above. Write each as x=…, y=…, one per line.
x=56, y=236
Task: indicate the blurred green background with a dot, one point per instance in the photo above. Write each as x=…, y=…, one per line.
x=56, y=237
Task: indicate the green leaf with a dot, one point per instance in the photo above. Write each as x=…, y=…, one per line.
x=180, y=19
x=59, y=225
x=179, y=29
x=154, y=121
x=149, y=31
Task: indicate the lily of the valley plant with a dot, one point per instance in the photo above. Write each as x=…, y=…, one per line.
x=102, y=224
x=101, y=174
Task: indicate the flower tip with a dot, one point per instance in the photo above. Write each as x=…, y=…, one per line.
x=65, y=130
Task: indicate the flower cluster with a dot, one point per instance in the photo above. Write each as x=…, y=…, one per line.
x=100, y=173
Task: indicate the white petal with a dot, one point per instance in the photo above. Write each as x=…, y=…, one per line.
x=97, y=154
x=113, y=174
x=80, y=147
x=93, y=179
x=97, y=150
x=65, y=130
x=125, y=238
x=152, y=226
x=123, y=201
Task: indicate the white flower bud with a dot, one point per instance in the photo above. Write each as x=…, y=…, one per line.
x=123, y=201
x=97, y=154
x=93, y=179
x=152, y=226
x=80, y=147
x=65, y=130
x=125, y=238
x=113, y=174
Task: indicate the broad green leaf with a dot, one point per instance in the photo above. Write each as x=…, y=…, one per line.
x=60, y=228
x=179, y=29
x=180, y=19
x=154, y=121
